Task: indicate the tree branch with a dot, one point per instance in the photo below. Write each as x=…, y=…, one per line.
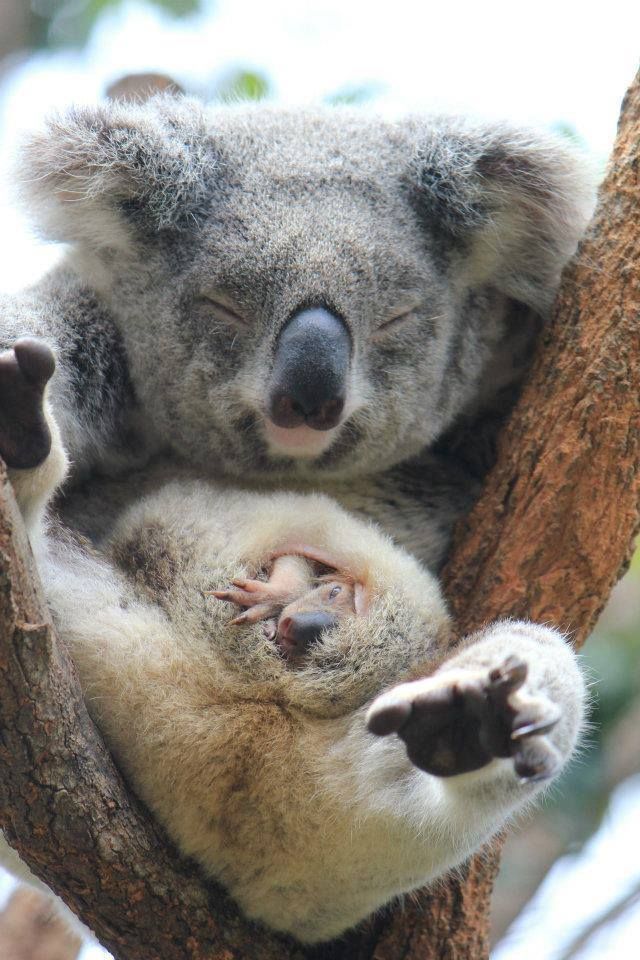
x=548, y=539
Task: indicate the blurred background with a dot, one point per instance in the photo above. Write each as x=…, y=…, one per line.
x=570, y=881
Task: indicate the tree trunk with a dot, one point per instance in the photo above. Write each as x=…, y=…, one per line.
x=548, y=539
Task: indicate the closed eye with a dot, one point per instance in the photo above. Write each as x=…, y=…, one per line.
x=222, y=311
x=394, y=323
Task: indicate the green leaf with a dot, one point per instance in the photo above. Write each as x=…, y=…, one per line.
x=354, y=95
x=242, y=85
x=70, y=22
x=568, y=131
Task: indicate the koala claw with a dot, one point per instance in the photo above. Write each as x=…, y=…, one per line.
x=459, y=723
x=25, y=439
x=260, y=597
x=263, y=611
x=537, y=760
x=250, y=586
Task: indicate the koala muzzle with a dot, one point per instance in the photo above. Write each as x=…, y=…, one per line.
x=309, y=376
x=297, y=633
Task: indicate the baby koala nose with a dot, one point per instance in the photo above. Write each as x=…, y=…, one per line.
x=299, y=631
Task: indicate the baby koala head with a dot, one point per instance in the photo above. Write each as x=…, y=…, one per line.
x=303, y=596
x=303, y=620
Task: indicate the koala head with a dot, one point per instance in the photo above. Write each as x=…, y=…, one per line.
x=309, y=292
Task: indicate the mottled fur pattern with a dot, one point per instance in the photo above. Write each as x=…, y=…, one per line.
x=261, y=769
x=419, y=233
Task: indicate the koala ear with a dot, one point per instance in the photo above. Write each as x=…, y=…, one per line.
x=99, y=175
x=507, y=206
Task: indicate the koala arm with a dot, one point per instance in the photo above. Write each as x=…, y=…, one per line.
x=90, y=391
x=453, y=749
x=30, y=440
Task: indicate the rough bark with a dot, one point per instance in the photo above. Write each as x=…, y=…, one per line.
x=548, y=539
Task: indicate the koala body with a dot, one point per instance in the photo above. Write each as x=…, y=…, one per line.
x=315, y=787
x=281, y=302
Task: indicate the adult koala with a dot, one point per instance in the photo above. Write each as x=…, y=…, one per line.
x=291, y=298
x=314, y=296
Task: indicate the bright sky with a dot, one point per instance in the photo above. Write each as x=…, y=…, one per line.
x=543, y=62
x=583, y=886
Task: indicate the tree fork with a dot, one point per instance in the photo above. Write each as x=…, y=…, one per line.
x=547, y=541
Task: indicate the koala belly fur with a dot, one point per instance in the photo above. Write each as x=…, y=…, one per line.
x=262, y=771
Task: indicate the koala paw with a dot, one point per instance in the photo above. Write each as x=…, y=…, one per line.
x=25, y=439
x=261, y=598
x=454, y=723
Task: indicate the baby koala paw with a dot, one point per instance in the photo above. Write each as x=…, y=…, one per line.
x=459, y=720
x=25, y=439
x=262, y=599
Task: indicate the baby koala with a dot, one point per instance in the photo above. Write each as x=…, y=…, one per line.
x=297, y=603
x=322, y=750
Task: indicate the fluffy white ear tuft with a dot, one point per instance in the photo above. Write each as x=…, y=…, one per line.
x=99, y=175
x=513, y=203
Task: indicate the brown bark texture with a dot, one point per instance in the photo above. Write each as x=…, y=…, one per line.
x=548, y=539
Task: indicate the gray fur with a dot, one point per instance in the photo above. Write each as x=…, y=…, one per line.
x=272, y=210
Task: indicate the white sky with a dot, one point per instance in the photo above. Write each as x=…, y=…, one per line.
x=583, y=886
x=538, y=62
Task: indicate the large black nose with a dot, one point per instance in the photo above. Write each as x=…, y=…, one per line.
x=309, y=377
x=297, y=633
